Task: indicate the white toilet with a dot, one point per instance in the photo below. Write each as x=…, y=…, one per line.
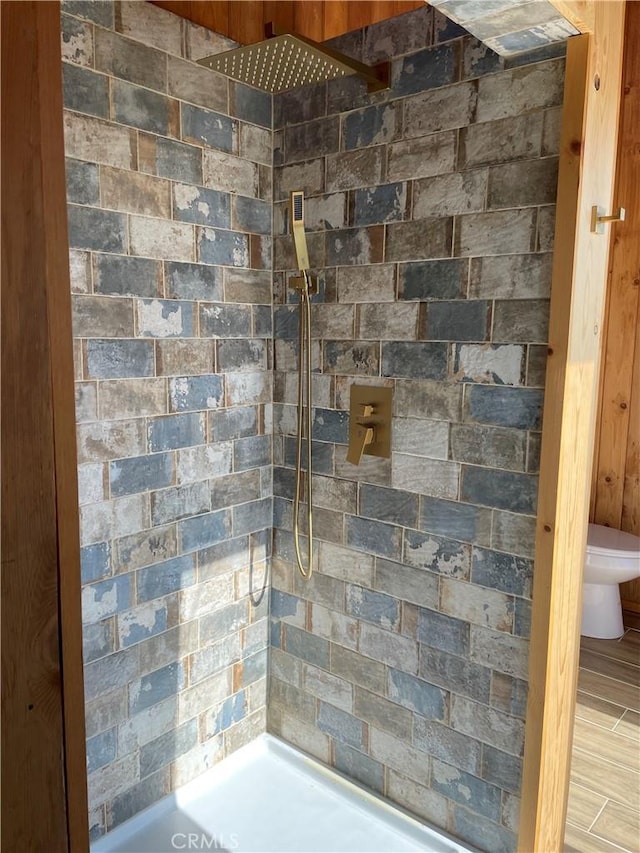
x=612, y=558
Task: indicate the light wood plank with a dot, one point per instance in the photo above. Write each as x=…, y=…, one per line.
x=580, y=13
x=586, y=177
x=629, y=726
x=619, y=824
x=617, y=691
x=617, y=669
x=584, y=806
x=598, y=711
x=609, y=780
x=579, y=841
x=607, y=744
x=623, y=650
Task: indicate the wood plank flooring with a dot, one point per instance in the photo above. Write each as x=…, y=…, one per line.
x=603, y=815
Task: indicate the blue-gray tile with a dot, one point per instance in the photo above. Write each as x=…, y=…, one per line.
x=178, y=161
x=85, y=91
x=105, y=598
x=414, y=360
x=457, y=321
x=417, y=695
x=169, y=746
x=98, y=11
x=101, y=750
x=115, y=359
x=156, y=686
x=375, y=124
x=464, y=788
x=239, y=355
x=193, y=281
x=101, y=230
x=250, y=104
x=455, y=673
x=500, y=489
x=437, y=279
x=227, y=248
x=252, y=214
x=455, y=520
x=227, y=424
x=501, y=769
x=82, y=182
x=428, y=69
x=165, y=318
x=342, y=726
x=133, y=628
x=98, y=640
x=204, y=127
x=202, y=206
x=120, y=275
x=138, y=797
x=144, y=109
x=140, y=473
x=95, y=562
x=443, y=632
x=232, y=711
x=179, y=502
x=225, y=321
x=385, y=203
x=330, y=425
x=392, y=505
x=356, y=765
x=511, y=407
x=375, y=607
x=437, y=553
x=374, y=537
x=205, y=530
x=302, y=644
x=251, y=452
x=283, y=604
x=163, y=578
x=482, y=833
x=252, y=516
x=502, y=571
x=188, y=393
x=172, y=431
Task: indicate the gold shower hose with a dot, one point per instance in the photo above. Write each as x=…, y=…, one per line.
x=304, y=416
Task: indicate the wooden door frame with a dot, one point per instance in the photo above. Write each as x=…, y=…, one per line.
x=44, y=800
x=588, y=153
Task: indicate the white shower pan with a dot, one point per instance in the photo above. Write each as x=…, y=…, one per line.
x=270, y=798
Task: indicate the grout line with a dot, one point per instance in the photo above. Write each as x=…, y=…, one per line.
x=600, y=810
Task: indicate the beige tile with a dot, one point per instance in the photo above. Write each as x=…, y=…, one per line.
x=609, y=780
x=624, y=650
x=620, y=825
x=606, y=744
x=610, y=688
x=629, y=726
x=578, y=841
x=598, y=711
x=583, y=807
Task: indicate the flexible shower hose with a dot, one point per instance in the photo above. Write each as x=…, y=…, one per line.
x=304, y=419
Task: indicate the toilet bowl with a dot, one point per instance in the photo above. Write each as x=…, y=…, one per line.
x=612, y=558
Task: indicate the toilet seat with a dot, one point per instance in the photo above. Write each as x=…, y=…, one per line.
x=605, y=540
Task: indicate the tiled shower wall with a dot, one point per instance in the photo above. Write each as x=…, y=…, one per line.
x=403, y=661
x=169, y=185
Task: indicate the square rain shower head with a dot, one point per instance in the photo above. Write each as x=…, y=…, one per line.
x=287, y=61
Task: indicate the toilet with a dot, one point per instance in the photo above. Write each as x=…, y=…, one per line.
x=612, y=558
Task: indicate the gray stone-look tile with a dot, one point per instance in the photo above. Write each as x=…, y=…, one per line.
x=428, y=69
x=374, y=537
x=207, y=128
x=455, y=674
x=414, y=360
x=385, y=203
x=500, y=489
x=520, y=408
x=77, y=41
x=101, y=230
x=450, y=746
x=440, y=109
x=388, y=505
x=374, y=607
x=85, y=91
x=417, y=695
x=422, y=157
x=502, y=571
x=119, y=275
x=201, y=205
x=359, y=766
x=520, y=90
x=522, y=320
x=82, y=182
x=144, y=109
x=488, y=446
x=467, y=789
x=447, y=195
x=511, y=277
x=372, y=126
x=517, y=138
x=129, y=60
x=437, y=279
x=462, y=320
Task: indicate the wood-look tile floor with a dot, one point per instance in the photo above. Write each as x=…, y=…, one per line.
x=604, y=794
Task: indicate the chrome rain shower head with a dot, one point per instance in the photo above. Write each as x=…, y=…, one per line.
x=287, y=61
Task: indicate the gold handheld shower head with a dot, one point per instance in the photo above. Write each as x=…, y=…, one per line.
x=297, y=230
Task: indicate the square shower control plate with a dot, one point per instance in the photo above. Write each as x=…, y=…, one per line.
x=378, y=416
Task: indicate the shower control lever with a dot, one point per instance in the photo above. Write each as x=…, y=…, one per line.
x=369, y=422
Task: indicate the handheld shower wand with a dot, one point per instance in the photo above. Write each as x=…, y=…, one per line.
x=305, y=286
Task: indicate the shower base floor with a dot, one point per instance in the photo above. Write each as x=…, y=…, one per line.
x=271, y=798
